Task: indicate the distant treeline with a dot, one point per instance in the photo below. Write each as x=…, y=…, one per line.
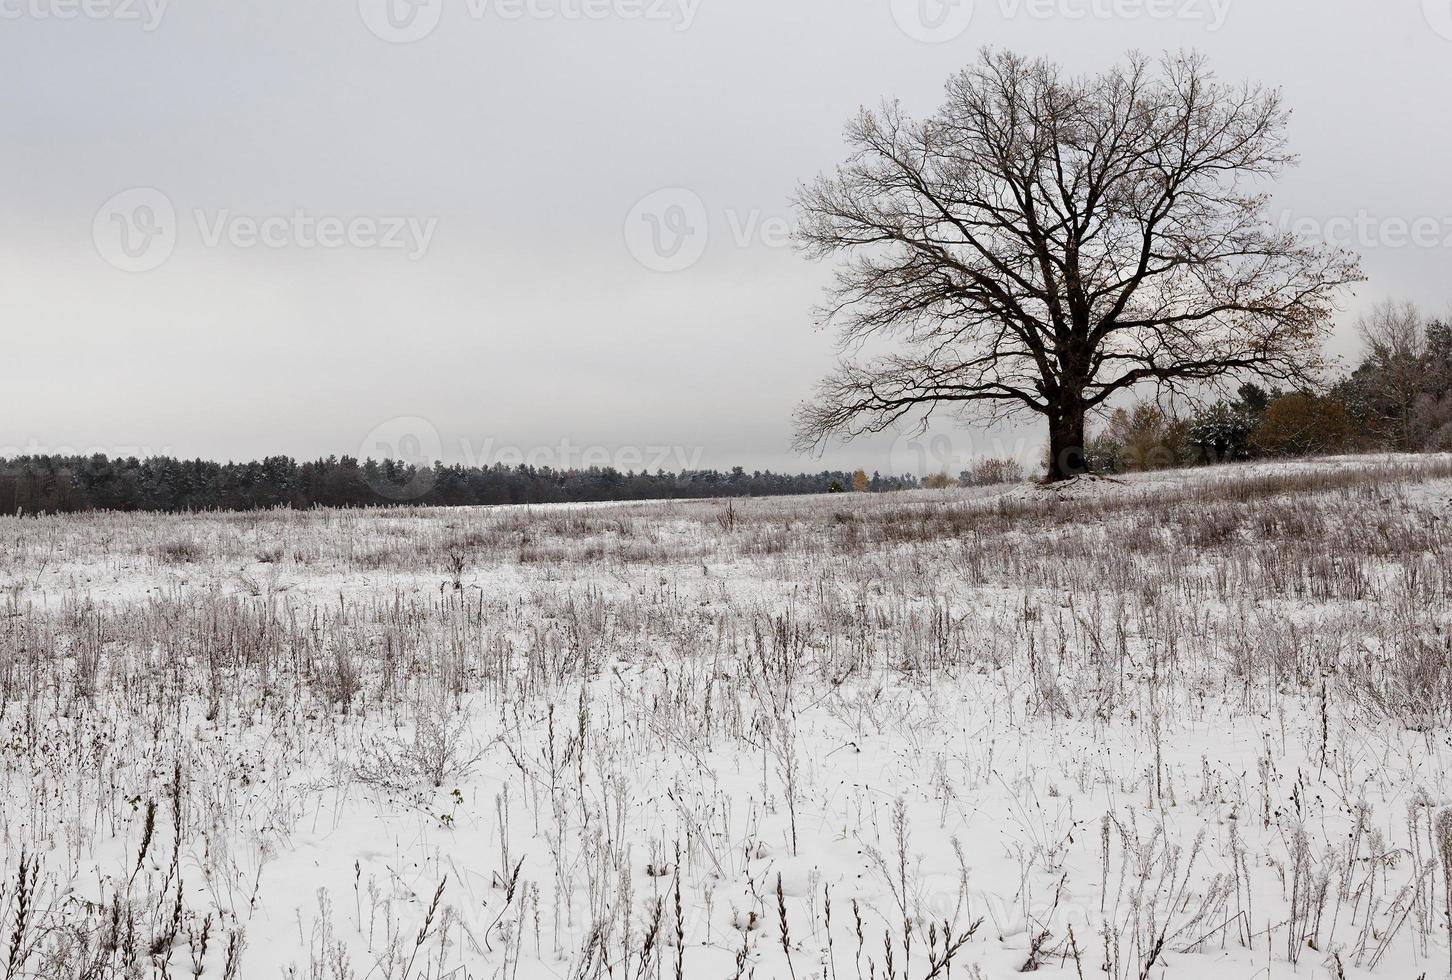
x=60, y=484
x=1399, y=397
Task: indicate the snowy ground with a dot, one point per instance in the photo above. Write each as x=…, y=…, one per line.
x=1189, y=725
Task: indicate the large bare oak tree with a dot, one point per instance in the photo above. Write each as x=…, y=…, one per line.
x=1044, y=242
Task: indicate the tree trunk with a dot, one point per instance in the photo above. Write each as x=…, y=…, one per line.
x=1066, y=442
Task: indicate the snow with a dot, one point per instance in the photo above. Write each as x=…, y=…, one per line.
x=1115, y=722
x=1077, y=488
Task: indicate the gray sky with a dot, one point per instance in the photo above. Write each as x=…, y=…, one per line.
x=342, y=242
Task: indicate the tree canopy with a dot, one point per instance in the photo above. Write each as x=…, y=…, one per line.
x=1043, y=242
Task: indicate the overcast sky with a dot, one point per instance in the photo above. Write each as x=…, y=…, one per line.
x=239, y=229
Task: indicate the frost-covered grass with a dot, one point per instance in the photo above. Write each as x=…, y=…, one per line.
x=1184, y=725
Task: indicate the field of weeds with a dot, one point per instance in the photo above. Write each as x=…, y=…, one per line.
x=1195, y=725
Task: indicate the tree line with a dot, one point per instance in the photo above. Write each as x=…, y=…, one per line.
x=68, y=484
x=1399, y=397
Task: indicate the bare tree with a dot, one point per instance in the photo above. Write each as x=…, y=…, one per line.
x=1044, y=242
x=1395, y=335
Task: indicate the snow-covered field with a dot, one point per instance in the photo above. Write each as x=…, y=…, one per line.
x=1191, y=725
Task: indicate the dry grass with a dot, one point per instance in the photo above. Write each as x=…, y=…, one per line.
x=164, y=747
